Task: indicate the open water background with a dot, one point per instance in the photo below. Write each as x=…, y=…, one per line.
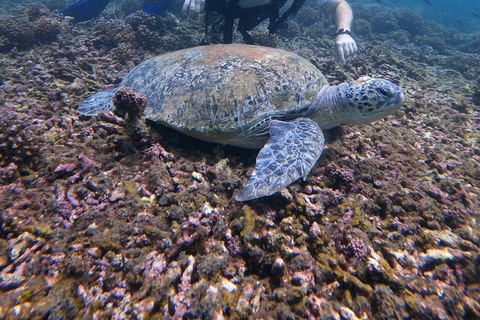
x=460, y=15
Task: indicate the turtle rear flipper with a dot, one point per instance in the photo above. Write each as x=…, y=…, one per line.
x=97, y=103
x=290, y=153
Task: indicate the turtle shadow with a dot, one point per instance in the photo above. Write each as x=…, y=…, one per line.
x=182, y=145
x=333, y=134
x=195, y=150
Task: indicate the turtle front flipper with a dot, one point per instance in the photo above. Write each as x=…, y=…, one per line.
x=97, y=103
x=290, y=153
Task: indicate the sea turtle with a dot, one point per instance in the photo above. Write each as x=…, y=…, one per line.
x=253, y=97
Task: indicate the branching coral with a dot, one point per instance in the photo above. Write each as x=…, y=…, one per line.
x=20, y=138
x=111, y=33
x=37, y=24
x=409, y=20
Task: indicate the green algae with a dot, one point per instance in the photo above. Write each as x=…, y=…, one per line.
x=43, y=230
x=248, y=220
x=388, y=274
x=130, y=187
x=358, y=219
x=106, y=244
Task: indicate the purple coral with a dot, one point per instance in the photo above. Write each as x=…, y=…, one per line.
x=343, y=178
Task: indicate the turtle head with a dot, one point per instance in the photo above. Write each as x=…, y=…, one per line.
x=370, y=99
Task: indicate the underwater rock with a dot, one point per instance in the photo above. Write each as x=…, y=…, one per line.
x=179, y=302
x=388, y=304
x=12, y=280
x=433, y=256
x=144, y=308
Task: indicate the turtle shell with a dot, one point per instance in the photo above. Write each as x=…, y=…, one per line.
x=215, y=92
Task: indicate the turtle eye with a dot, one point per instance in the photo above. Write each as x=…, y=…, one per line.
x=386, y=92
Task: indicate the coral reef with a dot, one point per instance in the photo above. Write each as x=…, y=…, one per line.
x=131, y=105
x=117, y=217
x=20, y=143
x=409, y=20
x=35, y=25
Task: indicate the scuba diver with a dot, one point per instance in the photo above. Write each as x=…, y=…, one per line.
x=252, y=12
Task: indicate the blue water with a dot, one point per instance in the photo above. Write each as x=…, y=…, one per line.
x=455, y=14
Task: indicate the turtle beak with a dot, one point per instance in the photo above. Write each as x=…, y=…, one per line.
x=397, y=98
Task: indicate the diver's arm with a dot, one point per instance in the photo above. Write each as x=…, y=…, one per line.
x=345, y=46
x=341, y=11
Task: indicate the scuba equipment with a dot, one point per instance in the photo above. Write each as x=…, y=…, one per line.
x=248, y=18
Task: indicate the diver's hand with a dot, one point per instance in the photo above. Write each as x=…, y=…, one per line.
x=345, y=47
x=193, y=7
